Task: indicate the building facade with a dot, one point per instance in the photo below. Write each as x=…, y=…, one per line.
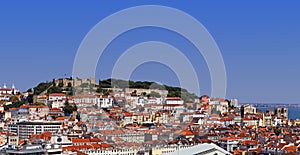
x=25, y=129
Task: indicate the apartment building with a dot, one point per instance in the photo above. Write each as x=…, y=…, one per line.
x=26, y=128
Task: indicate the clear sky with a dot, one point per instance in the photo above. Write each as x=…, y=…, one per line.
x=259, y=42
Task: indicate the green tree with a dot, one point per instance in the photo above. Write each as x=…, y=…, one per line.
x=29, y=98
x=157, y=86
x=61, y=84
x=69, y=84
x=54, y=89
x=29, y=90
x=104, y=91
x=105, y=83
x=155, y=94
x=14, y=98
x=95, y=106
x=277, y=130
x=173, y=91
x=173, y=94
x=54, y=117
x=68, y=109
x=41, y=87
x=13, y=105
x=40, y=103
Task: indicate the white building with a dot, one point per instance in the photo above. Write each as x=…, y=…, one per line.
x=26, y=128
x=9, y=91
x=152, y=100
x=105, y=101
x=205, y=148
x=234, y=102
x=6, y=93
x=124, y=151
x=173, y=100
x=57, y=104
x=248, y=109
x=57, y=97
x=101, y=101
x=84, y=99
x=230, y=144
x=42, y=99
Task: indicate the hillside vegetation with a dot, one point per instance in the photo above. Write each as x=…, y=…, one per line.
x=50, y=87
x=172, y=91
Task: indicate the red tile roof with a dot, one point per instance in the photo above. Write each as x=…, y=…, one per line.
x=186, y=133
x=57, y=94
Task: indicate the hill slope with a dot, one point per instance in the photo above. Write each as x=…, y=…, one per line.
x=173, y=91
x=45, y=88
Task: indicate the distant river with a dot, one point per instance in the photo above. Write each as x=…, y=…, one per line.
x=294, y=113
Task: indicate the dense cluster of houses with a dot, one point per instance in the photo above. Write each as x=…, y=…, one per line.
x=123, y=123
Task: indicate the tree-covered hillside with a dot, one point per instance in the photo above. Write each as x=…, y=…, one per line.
x=173, y=91
x=51, y=87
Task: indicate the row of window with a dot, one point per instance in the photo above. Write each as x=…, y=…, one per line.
x=105, y=152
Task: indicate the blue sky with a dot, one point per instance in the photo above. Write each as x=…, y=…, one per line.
x=259, y=42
